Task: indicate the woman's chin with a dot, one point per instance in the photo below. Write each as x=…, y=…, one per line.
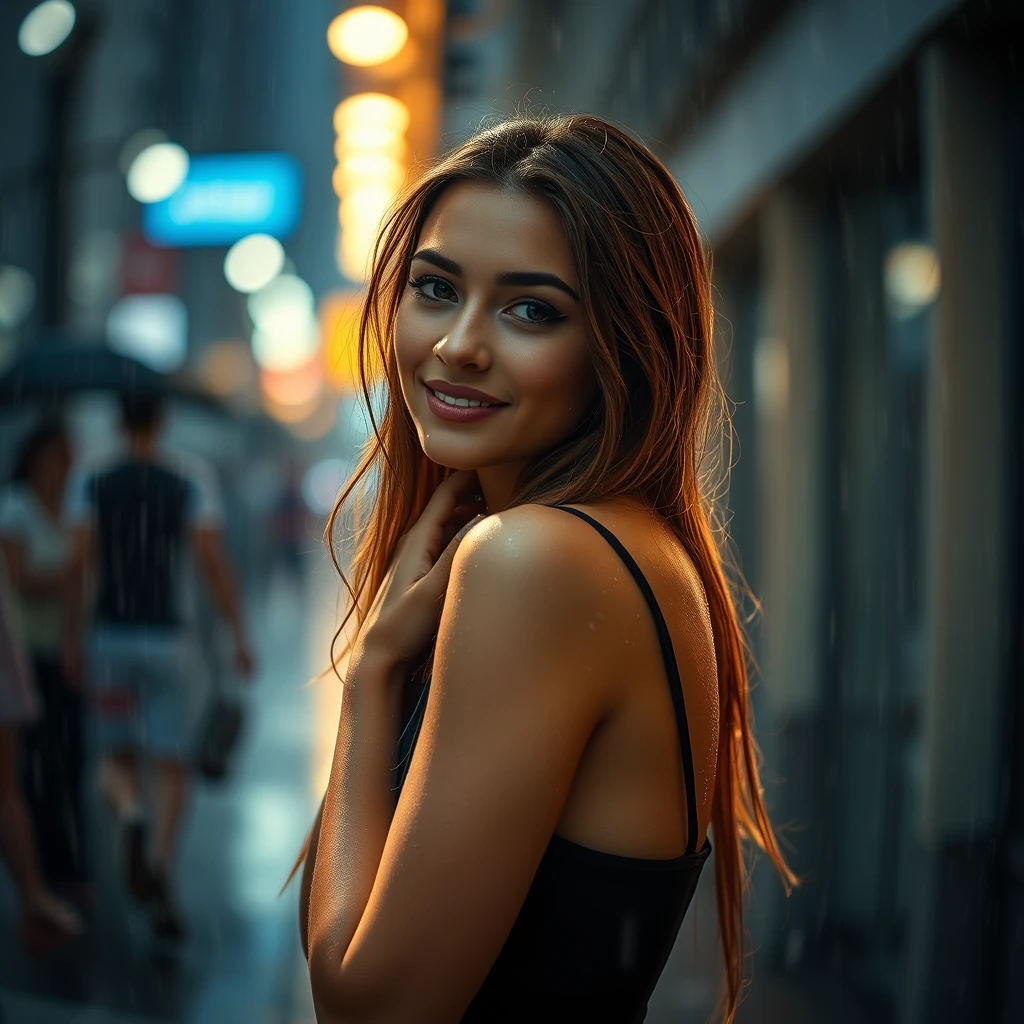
x=452, y=456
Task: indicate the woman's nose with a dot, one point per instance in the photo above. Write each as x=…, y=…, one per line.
x=466, y=344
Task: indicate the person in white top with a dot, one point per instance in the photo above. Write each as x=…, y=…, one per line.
x=37, y=556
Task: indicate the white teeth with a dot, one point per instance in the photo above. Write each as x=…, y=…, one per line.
x=463, y=403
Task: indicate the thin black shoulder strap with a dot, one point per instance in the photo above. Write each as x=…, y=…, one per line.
x=671, y=670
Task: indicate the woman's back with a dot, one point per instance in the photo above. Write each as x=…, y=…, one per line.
x=618, y=875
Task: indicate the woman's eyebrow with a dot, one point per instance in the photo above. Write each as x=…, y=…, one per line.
x=516, y=277
x=439, y=261
x=528, y=277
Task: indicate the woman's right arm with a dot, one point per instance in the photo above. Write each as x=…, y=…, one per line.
x=28, y=581
x=307, y=881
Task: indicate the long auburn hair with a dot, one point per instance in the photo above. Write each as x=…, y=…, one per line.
x=657, y=430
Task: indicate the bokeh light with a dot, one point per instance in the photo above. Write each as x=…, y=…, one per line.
x=913, y=277
x=17, y=295
x=226, y=368
x=297, y=386
x=322, y=483
x=142, y=139
x=157, y=172
x=287, y=414
x=150, y=328
x=360, y=169
x=377, y=109
x=253, y=262
x=339, y=329
x=317, y=425
x=285, y=351
x=367, y=35
x=45, y=27
x=285, y=305
x=370, y=149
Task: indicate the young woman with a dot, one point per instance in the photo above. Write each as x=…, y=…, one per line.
x=46, y=921
x=545, y=710
x=37, y=549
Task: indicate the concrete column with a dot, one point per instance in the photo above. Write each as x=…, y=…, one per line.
x=789, y=383
x=968, y=537
x=868, y=519
x=789, y=387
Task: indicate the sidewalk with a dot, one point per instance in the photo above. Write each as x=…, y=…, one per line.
x=239, y=842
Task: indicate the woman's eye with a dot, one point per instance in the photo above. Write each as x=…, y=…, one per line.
x=534, y=312
x=436, y=288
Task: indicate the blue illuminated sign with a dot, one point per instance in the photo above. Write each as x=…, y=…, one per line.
x=226, y=197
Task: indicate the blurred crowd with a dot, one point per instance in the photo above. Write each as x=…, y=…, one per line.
x=97, y=656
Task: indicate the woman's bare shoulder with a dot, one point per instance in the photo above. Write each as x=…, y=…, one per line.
x=545, y=570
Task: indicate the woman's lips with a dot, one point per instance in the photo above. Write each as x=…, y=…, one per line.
x=458, y=413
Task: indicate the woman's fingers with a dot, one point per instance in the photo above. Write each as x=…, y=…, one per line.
x=445, y=498
x=444, y=501
x=437, y=579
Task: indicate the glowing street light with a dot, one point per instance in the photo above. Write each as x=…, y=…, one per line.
x=253, y=262
x=284, y=306
x=370, y=148
x=45, y=27
x=372, y=108
x=284, y=352
x=286, y=334
x=367, y=35
x=157, y=172
x=361, y=169
x=913, y=278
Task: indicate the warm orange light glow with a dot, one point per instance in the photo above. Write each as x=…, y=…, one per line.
x=372, y=109
x=363, y=208
x=319, y=423
x=362, y=169
x=370, y=149
x=293, y=387
x=367, y=35
x=339, y=325
x=289, y=413
x=226, y=368
x=370, y=141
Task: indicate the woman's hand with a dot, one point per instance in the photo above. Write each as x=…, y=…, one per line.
x=407, y=609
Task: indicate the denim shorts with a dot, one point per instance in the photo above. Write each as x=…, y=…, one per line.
x=139, y=689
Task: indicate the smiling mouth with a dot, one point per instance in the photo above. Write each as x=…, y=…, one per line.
x=463, y=403
x=458, y=409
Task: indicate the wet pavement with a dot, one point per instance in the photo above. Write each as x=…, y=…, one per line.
x=241, y=838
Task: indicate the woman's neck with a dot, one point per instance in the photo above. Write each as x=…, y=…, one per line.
x=498, y=485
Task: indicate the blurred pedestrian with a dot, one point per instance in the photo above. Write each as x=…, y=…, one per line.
x=38, y=552
x=135, y=521
x=46, y=921
x=290, y=525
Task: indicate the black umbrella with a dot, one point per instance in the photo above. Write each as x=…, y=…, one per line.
x=49, y=372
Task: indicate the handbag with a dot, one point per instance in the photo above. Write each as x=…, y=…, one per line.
x=219, y=736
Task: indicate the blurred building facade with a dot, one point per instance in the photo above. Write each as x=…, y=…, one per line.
x=857, y=168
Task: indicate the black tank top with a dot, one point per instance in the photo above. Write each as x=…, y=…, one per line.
x=141, y=510
x=596, y=929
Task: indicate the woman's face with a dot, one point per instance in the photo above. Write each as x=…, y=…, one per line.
x=490, y=321
x=52, y=464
